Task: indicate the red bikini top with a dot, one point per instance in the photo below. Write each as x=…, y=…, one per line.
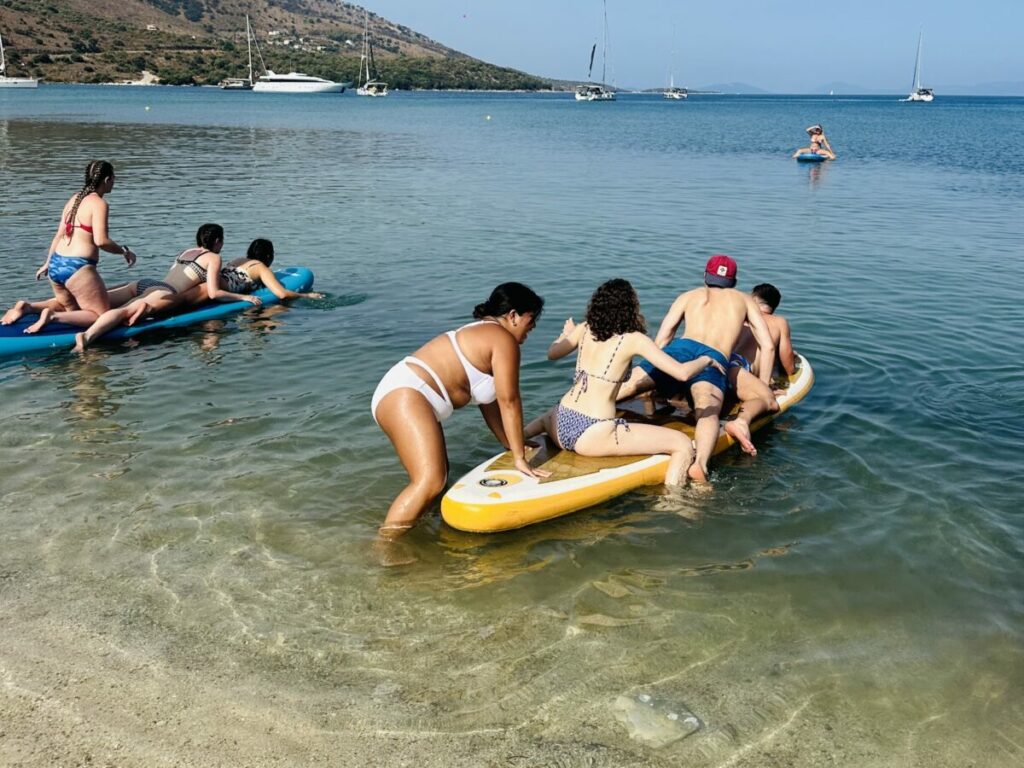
x=69, y=228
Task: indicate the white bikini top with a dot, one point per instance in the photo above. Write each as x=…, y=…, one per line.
x=481, y=385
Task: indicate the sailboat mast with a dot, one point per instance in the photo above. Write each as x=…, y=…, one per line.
x=604, y=53
x=364, y=62
x=248, y=45
x=672, y=61
x=917, y=63
x=3, y=63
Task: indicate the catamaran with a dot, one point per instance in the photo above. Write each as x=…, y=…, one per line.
x=674, y=93
x=918, y=93
x=597, y=91
x=241, y=83
x=368, y=84
x=13, y=82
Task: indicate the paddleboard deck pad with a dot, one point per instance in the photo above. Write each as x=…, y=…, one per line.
x=14, y=340
x=496, y=497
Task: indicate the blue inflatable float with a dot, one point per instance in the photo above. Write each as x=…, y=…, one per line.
x=14, y=340
x=810, y=157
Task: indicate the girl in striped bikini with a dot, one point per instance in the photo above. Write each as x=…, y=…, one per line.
x=584, y=421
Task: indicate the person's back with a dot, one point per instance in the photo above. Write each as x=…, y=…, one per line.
x=714, y=317
x=767, y=298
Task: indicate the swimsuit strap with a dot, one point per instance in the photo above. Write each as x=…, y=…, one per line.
x=614, y=352
x=583, y=377
x=180, y=260
x=442, y=390
x=466, y=365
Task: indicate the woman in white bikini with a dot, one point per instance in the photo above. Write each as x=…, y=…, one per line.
x=477, y=363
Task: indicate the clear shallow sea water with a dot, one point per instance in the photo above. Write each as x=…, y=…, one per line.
x=201, y=506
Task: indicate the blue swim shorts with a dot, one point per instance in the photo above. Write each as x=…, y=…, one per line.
x=685, y=350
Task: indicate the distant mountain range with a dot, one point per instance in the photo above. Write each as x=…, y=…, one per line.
x=730, y=88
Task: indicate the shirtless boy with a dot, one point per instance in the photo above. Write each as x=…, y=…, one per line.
x=714, y=315
x=754, y=395
x=767, y=297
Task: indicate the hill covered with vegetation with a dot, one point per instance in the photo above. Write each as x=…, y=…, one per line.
x=203, y=41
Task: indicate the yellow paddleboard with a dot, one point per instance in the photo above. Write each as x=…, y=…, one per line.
x=496, y=497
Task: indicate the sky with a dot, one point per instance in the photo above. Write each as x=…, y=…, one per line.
x=783, y=46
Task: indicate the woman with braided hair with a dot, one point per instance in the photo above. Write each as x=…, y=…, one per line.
x=72, y=259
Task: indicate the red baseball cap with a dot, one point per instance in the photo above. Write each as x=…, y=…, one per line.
x=720, y=271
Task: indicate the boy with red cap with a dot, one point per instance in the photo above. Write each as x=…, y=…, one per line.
x=714, y=315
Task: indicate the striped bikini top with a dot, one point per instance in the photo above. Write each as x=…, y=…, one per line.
x=582, y=377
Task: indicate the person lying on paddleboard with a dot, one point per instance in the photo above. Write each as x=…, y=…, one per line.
x=819, y=144
x=767, y=298
x=714, y=315
x=613, y=333
x=78, y=289
x=475, y=364
x=195, y=277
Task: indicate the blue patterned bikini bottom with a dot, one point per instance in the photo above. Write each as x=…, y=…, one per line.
x=570, y=425
x=63, y=267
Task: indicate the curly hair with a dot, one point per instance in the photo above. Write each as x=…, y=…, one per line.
x=614, y=309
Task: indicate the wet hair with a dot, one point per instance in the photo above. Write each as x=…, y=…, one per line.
x=508, y=297
x=767, y=293
x=208, y=235
x=261, y=250
x=96, y=172
x=613, y=309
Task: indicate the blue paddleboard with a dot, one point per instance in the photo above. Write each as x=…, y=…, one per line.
x=14, y=340
x=810, y=157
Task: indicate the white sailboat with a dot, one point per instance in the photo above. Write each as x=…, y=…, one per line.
x=293, y=82
x=918, y=93
x=368, y=84
x=13, y=82
x=241, y=83
x=597, y=91
x=673, y=93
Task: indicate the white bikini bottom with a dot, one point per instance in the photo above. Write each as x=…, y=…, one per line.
x=401, y=376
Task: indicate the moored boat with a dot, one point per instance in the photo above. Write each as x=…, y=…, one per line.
x=369, y=85
x=13, y=82
x=917, y=93
x=597, y=91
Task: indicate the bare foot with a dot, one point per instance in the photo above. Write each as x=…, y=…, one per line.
x=14, y=314
x=739, y=431
x=44, y=319
x=698, y=474
x=390, y=552
x=80, y=342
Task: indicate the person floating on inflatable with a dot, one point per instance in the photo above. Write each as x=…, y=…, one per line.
x=819, y=145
